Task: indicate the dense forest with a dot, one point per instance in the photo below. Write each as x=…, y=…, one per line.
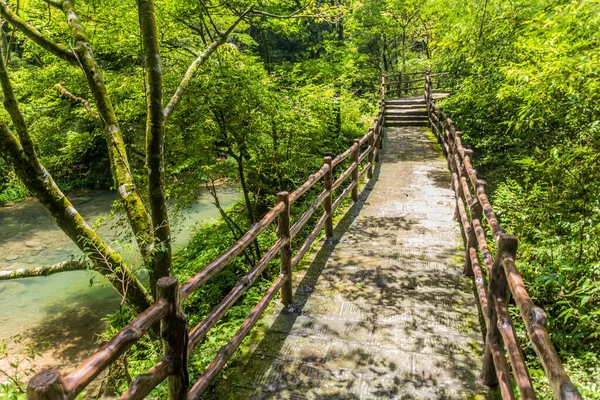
x=256, y=94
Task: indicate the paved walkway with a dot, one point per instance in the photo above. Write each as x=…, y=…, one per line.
x=383, y=312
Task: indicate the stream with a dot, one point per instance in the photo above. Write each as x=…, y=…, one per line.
x=60, y=314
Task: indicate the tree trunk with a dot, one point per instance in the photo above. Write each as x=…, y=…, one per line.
x=240, y=163
x=155, y=146
x=265, y=41
x=126, y=188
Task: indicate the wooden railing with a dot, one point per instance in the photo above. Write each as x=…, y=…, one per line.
x=406, y=83
x=503, y=279
x=178, y=341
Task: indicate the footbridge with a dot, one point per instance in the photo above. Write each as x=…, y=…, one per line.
x=407, y=296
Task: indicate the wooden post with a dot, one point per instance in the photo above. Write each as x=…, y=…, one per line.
x=174, y=332
x=379, y=131
x=471, y=238
x=383, y=87
x=400, y=85
x=283, y=231
x=355, y=156
x=497, y=288
x=428, y=98
x=47, y=385
x=371, y=148
x=327, y=203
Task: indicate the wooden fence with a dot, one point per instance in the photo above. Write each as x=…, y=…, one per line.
x=407, y=83
x=178, y=340
x=475, y=214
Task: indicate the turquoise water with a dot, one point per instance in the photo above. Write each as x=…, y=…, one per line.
x=68, y=306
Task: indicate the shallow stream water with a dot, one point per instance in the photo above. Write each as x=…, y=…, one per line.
x=64, y=310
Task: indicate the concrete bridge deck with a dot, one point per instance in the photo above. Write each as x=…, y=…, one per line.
x=383, y=311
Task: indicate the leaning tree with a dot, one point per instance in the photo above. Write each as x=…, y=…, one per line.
x=146, y=212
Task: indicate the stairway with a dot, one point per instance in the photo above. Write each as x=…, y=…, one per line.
x=409, y=111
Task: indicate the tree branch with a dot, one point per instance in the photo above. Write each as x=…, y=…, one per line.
x=12, y=107
x=217, y=32
x=292, y=15
x=76, y=99
x=35, y=35
x=201, y=59
x=155, y=143
x=65, y=266
x=55, y=3
x=296, y=14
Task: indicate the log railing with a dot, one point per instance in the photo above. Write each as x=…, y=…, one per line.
x=406, y=83
x=178, y=340
x=475, y=214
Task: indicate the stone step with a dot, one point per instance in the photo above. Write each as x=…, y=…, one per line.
x=406, y=117
x=401, y=106
x=405, y=123
x=405, y=111
x=404, y=101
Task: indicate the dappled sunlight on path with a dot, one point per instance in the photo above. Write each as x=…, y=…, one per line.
x=383, y=311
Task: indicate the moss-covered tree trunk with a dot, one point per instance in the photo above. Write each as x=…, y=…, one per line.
x=161, y=263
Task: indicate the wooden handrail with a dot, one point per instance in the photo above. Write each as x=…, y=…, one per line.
x=404, y=89
x=344, y=176
x=223, y=260
x=501, y=272
x=404, y=82
x=308, y=184
x=178, y=343
x=405, y=74
x=304, y=218
x=89, y=370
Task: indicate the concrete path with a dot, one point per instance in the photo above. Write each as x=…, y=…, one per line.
x=383, y=311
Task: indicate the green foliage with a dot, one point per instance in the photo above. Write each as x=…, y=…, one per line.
x=528, y=104
x=11, y=189
x=13, y=379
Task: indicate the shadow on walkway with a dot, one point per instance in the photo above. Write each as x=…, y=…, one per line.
x=382, y=311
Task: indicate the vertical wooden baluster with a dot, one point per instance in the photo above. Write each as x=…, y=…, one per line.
x=283, y=231
x=371, y=149
x=174, y=332
x=355, y=156
x=400, y=85
x=471, y=238
x=327, y=203
x=497, y=287
x=381, y=131
x=383, y=87
x=377, y=144
x=427, y=99
x=488, y=372
x=47, y=385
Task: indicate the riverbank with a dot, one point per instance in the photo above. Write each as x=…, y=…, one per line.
x=60, y=315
